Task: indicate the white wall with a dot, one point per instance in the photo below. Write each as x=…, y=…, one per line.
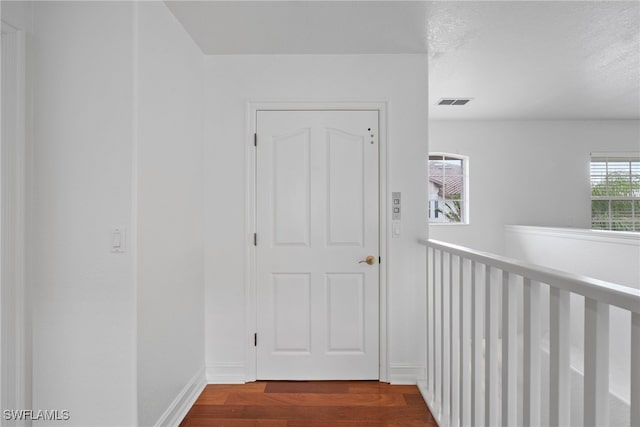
x=231, y=82
x=83, y=295
x=118, y=338
x=604, y=255
x=526, y=172
x=18, y=14
x=170, y=273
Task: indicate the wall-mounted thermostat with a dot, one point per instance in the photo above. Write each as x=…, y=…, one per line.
x=396, y=206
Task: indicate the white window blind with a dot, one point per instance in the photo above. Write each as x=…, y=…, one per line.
x=615, y=191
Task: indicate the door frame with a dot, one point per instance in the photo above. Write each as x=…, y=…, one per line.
x=15, y=309
x=251, y=289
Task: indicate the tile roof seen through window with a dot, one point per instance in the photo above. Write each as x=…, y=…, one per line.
x=447, y=177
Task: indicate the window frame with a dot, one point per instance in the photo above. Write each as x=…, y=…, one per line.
x=607, y=158
x=464, y=198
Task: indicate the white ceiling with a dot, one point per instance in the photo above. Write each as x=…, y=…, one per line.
x=516, y=59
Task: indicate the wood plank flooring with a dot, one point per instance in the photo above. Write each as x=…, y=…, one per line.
x=309, y=404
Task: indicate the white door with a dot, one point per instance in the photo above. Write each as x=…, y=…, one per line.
x=317, y=219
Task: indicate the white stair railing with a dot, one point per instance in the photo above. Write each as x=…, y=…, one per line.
x=474, y=304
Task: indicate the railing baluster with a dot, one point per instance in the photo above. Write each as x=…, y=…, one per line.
x=531, y=354
x=438, y=332
x=446, y=362
x=509, y=352
x=432, y=327
x=477, y=418
x=559, y=367
x=454, y=292
x=465, y=321
x=491, y=350
x=428, y=319
x=635, y=369
x=443, y=336
x=463, y=370
x=596, y=363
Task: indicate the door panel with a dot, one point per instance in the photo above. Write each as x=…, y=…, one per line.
x=345, y=205
x=292, y=321
x=345, y=312
x=291, y=188
x=317, y=217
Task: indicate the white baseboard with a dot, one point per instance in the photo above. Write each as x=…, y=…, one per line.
x=405, y=373
x=178, y=409
x=434, y=408
x=234, y=373
x=226, y=373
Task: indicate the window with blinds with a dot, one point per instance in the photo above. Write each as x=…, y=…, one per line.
x=615, y=192
x=447, y=187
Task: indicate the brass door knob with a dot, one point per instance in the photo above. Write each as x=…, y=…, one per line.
x=369, y=260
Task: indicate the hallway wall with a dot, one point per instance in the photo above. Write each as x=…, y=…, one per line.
x=169, y=221
x=83, y=295
x=230, y=83
x=118, y=337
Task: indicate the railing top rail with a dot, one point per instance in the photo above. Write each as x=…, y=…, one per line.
x=610, y=293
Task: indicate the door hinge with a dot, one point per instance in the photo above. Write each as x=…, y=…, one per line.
x=255, y=139
x=379, y=260
x=255, y=239
x=255, y=339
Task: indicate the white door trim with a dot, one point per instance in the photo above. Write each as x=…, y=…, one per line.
x=14, y=365
x=250, y=223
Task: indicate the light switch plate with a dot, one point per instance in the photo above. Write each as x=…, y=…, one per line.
x=395, y=229
x=118, y=240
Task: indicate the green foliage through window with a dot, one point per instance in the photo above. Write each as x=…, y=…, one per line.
x=615, y=194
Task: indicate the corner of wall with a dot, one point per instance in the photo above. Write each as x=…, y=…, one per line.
x=226, y=373
x=180, y=406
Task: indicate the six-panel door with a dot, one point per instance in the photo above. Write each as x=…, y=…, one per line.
x=317, y=218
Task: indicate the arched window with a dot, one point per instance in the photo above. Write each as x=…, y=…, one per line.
x=448, y=189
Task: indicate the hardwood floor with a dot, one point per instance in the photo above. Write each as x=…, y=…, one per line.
x=309, y=404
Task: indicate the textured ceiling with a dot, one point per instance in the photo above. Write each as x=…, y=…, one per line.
x=516, y=59
x=576, y=60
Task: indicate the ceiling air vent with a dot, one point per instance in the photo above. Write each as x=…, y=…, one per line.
x=453, y=101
